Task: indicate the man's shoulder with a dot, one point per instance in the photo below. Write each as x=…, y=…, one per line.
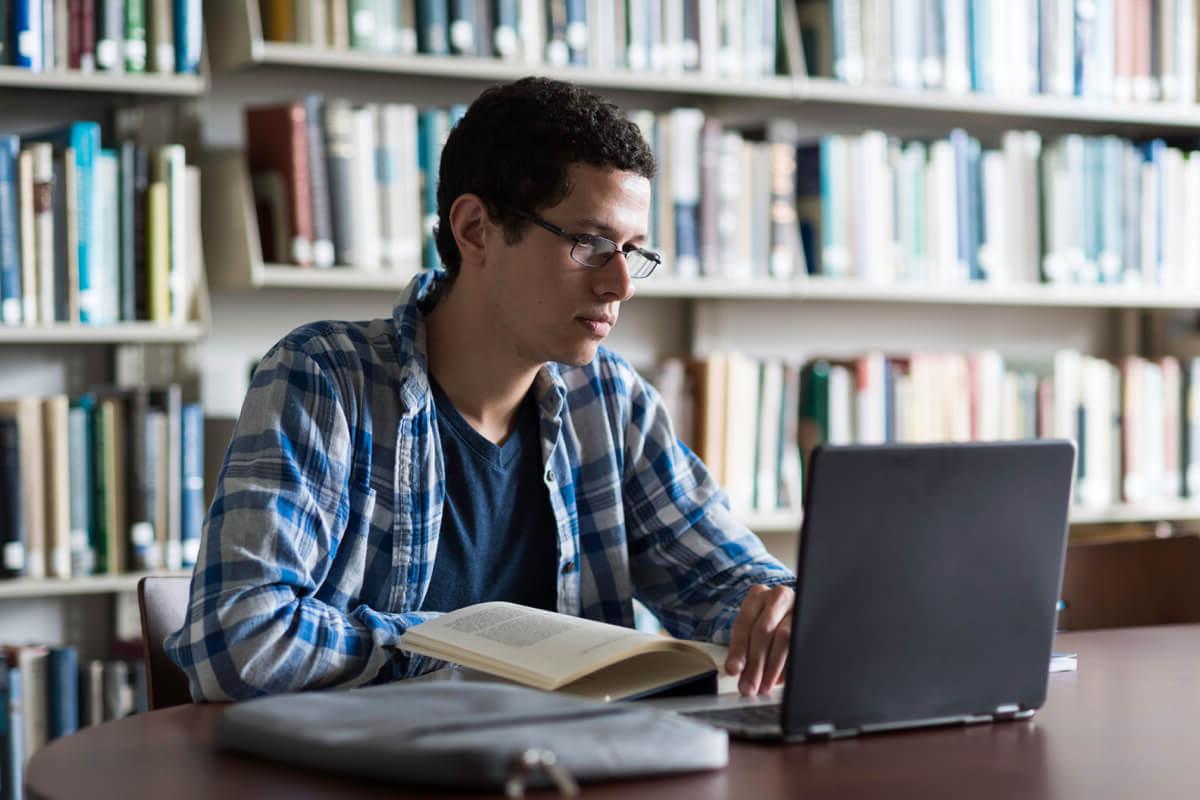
x=608, y=377
x=342, y=343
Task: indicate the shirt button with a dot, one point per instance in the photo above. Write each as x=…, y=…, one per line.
x=568, y=568
x=549, y=476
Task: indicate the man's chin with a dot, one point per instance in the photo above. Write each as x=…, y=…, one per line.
x=579, y=356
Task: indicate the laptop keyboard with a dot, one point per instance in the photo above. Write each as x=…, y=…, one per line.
x=749, y=715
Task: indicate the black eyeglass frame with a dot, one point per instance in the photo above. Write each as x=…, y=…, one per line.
x=588, y=239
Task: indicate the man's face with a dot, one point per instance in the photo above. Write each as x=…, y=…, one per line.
x=546, y=306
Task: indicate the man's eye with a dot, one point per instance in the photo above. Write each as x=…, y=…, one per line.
x=586, y=239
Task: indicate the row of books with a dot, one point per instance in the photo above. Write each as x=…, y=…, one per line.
x=118, y=36
x=351, y=185
x=714, y=38
x=47, y=693
x=1077, y=209
x=94, y=234
x=1136, y=421
x=738, y=414
x=339, y=184
x=108, y=482
x=1124, y=50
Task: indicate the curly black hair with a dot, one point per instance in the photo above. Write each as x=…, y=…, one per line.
x=513, y=147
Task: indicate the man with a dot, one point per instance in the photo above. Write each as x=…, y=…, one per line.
x=478, y=445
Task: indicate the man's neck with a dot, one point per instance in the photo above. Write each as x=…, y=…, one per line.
x=483, y=377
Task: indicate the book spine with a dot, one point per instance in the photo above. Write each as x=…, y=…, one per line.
x=161, y=37
x=460, y=33
x=432, y=27
x=29, y=293
x=105, y=245
x=110, y=36
x=365, y=191
x=15, y=763
x=139, y=497
x=158, y=252
x=81, y=471
x=338, y=122
x=188, y=36
x=506, y=35
x=10, y=254
x=323, y=249
x=12, y=512
x=135, y=36
x=63, y=685
x=362, y=24
x=4, y=59
x=55, y=432
x=192, y=502
x=27, y=34
x=126, y=242
x=43, y=227
x=172, y=172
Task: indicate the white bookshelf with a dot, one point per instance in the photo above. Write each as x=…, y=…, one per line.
x=1151, y=512
x=25, y=588
x=119, y=333
x=147, y=84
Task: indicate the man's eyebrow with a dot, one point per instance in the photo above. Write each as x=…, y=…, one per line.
x=608, y=230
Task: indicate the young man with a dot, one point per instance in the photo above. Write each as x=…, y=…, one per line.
x=479, y=445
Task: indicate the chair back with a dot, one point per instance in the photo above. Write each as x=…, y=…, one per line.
x=1120, y=584
x=163, y=603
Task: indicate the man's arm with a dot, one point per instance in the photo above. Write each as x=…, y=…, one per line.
x=694, y=564
x=283, y=509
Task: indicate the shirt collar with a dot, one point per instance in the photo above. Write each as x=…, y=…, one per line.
x=416, y=300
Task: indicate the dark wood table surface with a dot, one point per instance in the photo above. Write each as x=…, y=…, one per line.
x=1126, y=725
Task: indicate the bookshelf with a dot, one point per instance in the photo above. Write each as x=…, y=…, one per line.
x=148, y=85
x=786, y=318
x=97, y=613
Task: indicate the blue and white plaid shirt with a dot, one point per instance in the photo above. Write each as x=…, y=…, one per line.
x=320, y=542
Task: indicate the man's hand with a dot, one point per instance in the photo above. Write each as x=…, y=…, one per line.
x=758, y=645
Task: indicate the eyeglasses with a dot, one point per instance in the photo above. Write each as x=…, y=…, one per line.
x=591, y=250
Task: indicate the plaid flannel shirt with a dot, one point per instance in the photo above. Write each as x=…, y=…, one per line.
x=320, y=542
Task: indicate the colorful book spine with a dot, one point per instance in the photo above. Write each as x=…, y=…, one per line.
x=27, y=34
x=10, y=255
x=12, y=517
x=192, y=503
x=135, y=36
x=188, y=36
x=64, y=691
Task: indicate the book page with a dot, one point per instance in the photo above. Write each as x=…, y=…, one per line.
x=542, y=648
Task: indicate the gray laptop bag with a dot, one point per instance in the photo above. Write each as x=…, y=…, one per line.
x=475, y=736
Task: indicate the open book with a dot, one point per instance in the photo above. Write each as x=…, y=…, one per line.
x=557, y=652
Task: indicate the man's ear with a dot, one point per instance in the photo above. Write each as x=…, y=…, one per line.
x=468, y=223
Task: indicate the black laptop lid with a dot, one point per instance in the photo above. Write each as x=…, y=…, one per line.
x=927, y=581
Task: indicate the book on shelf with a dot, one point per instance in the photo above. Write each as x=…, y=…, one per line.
x=699, y=37
x=558, y=652
x=1118, y=51
x=84, y=237
x=1135, y=422
x=739, y=415
x=112, y=36
x=107, y=482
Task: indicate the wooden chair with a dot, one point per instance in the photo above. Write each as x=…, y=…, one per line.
x=163, y=602
x=1121, y=584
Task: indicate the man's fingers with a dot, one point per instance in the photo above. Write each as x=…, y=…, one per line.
x=777, y=654
x=776, y=605
x=739, y=637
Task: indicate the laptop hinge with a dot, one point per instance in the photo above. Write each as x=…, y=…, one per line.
x=819, y=730
x=1006, y=710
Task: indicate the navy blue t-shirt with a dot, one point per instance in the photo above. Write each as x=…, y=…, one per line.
x=498, y=539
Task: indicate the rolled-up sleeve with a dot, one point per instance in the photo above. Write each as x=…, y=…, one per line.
x=284, y=504
x=692, y=561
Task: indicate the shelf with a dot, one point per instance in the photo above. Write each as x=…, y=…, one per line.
x=851, y=291
x=63, y=587
x=1158, y=511
x=119, y=333
x=236, y=42
x=1161, y=511
x=285, y=276
x=165, y=85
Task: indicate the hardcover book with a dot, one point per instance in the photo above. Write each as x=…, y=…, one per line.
x=558, y=652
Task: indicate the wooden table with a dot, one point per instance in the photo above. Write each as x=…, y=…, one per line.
x=1126, y=725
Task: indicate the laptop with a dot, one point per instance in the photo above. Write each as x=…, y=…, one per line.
x=927, y=582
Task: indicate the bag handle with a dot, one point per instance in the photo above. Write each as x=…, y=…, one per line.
x=528, y=763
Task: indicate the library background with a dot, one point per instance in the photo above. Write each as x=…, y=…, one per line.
x=882, y=220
